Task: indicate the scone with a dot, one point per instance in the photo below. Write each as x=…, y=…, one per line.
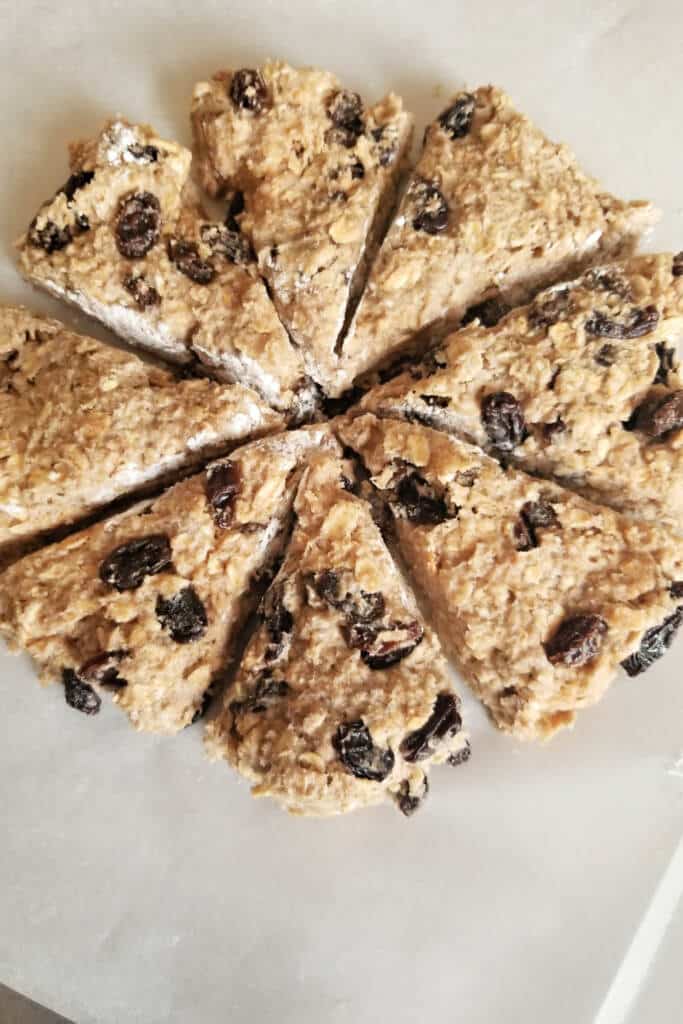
x=583, y=385
x=317, y=174
x=126, y=240
x=494, y=211
x=146, y=605
x=343, y=697
x=537, y=594
x=82, y=424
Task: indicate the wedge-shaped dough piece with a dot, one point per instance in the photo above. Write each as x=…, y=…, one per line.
x=494, y=211
x=343, y=697
x=584, y=385
x=126, y=241
x=147, y=605
x=537, y=594
x=318, y=174
x=82, y=424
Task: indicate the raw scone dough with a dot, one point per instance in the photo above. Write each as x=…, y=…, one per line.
x=583, y=385
x=493, y=212
x=343, y=697
x=126, y=240
x=537, y=594
x=82, y=424
x=146, y=605
x=317, y=173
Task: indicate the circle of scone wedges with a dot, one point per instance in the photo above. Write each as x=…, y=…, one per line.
x=399, y=414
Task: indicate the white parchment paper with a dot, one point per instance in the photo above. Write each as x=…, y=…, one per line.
x=140, y=884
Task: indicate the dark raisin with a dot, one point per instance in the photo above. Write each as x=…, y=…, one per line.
x=387, y=151
x=410, y=797
x=223, y=485
x=80, y=695
x=104, y=669
x=676, y=589
x=557, y=426
x=278, y=621
x=230, y=244
x=607, y=279
x=183, y=615
x=606, y=355
x=677, y=265
x=145, y=294
x=127, y=565
x=360, y=607
x=78, y=180
x=577, y=640
x=50, y=237
x=186, y=257
x=235, y=201
x=550, y=307
x=248, y=90
x=659, y=416
x=266, y=692
x=488, y=312
x=81, y=223
x=138, y=224
x=457, y=119
x=655, y=642
x=444, y=722
x=503, y=420
x=353, y=744
x=431, y=208
x=635, y=323
x=143, y=154
x=535, y=515
x=357, y=170
x=383, y=646
x=667, y=362
x=326, y=586
x=421, y=503
x=460, y=756
x=436, y=401
x=345, y=111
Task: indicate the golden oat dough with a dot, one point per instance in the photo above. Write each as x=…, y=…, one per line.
x=125, y=240
x=316, y=172
x=82, y=424
x=343, y=697
x=494, y=211
x=583, y=385
x=537, y=594
x=146, y=605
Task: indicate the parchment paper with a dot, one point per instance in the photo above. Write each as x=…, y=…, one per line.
x=140, y=884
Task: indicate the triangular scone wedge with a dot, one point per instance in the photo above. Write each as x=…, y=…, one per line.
x=584, y=385
x=318, y=174
x=343, y=697
x=82, y=424
x=126, y=241
x=147, y=605
x=494, y=211
x=537, y=594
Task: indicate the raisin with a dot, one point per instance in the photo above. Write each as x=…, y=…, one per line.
x=357, y=752
x=456, y=120
x=357, y=170
x=278, y=621
x=503, y=420
x=535, y=515
x=143, y=154
x=50, y=237
x=104, y=669
x=410, y=797
x=267, y=692
x=606, y=355
x=667, y=362
x=80, y=695
x=677, y=265
x=550, y=307
x=444, y=722
x=248, y=90
x=488, y=312
x=145, y=294
x=183, y=615
x=460, y=756
x=431, y=209
x=557, y=426
x=223, y=485
x=326, y=586
x=138, y=224
x=676, y=589
x=228, y=243
x=655, y=642
x=186, y=257
x=81, y=223
x=387, y=151
x=345, y=111
x=235, y=201
x=383, y=646
x=363, y=606
x=78, y=180
x=127, y=565
x=421, y=503
x=659, y=416
x=607, y=279
x=634, y=325
x=436, y=401
x=577, y=640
